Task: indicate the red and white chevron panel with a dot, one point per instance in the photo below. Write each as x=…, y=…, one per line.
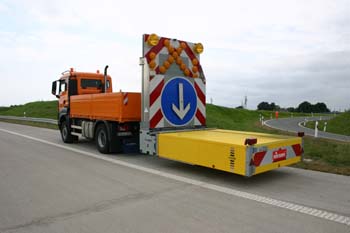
x=200, y=116
x=156, y=115
x=158, y=80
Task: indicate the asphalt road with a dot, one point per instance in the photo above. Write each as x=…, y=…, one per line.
x=48, y=186
x=294, y=125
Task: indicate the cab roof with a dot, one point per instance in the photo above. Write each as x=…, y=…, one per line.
x=84, y=74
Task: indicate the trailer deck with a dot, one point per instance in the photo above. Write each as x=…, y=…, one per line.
x=226, y=150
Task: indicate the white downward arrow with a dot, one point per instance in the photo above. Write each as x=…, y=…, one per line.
x=181, y=112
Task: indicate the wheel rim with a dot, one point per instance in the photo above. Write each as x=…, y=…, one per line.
x=102, y=139
x=64, y=131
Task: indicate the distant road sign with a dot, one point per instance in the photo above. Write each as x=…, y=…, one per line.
x=179, y=101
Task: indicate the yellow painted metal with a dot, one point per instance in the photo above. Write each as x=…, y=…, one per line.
x=219, y=149
x=209, y=148
x=272, y=166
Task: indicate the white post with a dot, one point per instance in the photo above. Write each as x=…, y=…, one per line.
x=325, y=126
x=320, y=118
x=24, y=114
x=312, y=114
x=305, y=122
x=262, y=120
x=316, y=129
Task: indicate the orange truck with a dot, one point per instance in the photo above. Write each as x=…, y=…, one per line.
x=168, y=118
x=87, y=107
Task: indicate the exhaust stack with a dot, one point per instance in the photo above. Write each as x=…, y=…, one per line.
x=105, y=76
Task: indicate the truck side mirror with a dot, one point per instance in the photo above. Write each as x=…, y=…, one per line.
x=54, y=89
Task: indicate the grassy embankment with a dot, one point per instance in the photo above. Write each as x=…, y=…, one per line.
x=325, y=155
x=40, y=109
x=339, y=124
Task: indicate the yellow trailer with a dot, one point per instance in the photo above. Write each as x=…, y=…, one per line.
x=243, y=153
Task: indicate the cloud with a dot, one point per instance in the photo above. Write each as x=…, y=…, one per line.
x=317, y=77
x=3, y=7
x=280, y=51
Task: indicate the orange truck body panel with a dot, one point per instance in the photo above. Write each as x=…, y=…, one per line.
x=106, y=106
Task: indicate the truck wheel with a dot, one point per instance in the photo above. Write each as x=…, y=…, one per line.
x=102, y=140
x=67, y=137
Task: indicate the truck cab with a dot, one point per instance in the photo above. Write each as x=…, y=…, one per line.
x=73, y=83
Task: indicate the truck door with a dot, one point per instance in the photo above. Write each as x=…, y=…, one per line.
x=63, y=93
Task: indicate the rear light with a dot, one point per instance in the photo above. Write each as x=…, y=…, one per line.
x=250, y=141
x=123, y=128
x=301, y=134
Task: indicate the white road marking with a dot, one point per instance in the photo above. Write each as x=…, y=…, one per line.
x=250, y=196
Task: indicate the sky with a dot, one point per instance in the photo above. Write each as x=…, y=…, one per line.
x=278, y=51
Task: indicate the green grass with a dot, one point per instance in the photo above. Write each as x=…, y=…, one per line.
x=4, y=108
x=41, y=109
x=228, y=118
x=339, y=124
x=240, y=119
x=336, y=154
x=311, y=125
x=325, y=155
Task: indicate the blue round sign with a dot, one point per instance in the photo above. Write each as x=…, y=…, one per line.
x=178, y=101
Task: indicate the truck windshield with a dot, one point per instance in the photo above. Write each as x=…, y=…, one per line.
x=85, y=83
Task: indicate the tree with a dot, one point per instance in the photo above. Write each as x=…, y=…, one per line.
x=291, y=109
x=305, y=107
x=264, y=106
x=267, y=106
x=320, y=107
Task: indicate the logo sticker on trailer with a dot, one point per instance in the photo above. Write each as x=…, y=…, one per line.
x=279, y=155
x=179, y=101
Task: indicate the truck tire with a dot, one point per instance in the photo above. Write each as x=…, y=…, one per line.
x=101, y=139
x=67, y=137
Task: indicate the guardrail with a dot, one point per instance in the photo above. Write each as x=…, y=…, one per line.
x=32, y=119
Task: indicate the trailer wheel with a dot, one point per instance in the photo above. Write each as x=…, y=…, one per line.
x=67, y=137
x=102, y=140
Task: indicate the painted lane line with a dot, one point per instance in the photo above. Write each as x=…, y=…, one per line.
x=250, y=196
